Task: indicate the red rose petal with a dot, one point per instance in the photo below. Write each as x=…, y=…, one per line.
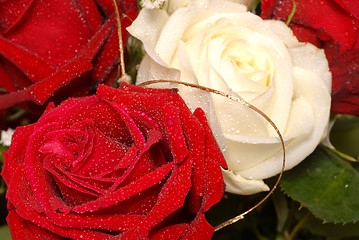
x=11, y=13
x=20, y=194
x=103, y=157
x=305, y=34
x=41, y=91
x=22, y=229
x=109, y=55
x=214, y=185
x=194, y=133
x=35, y=67
x=135, y=132
x=6, y=81
x=15, y=156
x=114, y=222
x=13, y=98
x=126, y=192
x=144, y=122
x=212, y=149
x=39, y=179
x=170, y=199
x=91, y=14
x=268, y=8
x=351, y=6
x=345, y=94
x=199, y=229
x=174, y=133
x=105, y=117
x=146, y=163
x=324, y=15
x=171, y=232
x=49, y=26
x=28, y=208
x=124, y=6
x=107, y=58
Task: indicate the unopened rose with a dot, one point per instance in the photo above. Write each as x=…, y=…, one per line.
x=219, y=44
x=334, y=26
x=114, y=166
x=58, y=49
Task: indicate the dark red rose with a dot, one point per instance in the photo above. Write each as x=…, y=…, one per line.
x=128, y=163
x=334, y=26
x=58, y=48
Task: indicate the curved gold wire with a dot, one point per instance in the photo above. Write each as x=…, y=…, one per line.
x=247, y=104
x=121, y=66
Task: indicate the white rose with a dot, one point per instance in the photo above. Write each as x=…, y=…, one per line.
x=220, y=45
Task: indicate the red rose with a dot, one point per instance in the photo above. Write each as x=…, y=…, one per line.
x=129, y=163
x=46, y=45
x=334, y=26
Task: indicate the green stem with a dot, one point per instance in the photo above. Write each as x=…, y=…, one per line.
x=298, y=226
x=290, y=17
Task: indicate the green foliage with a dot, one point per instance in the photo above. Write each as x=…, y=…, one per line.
x=345, y=135
x=5, y=232
x=326, y=185
x=2, y=183
x=135, y=55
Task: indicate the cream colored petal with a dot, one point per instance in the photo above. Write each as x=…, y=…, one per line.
x=239, y=185
x=314, y=89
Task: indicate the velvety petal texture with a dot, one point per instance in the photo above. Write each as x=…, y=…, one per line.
x=114, y=166
x=334, y=26
x=57, y=49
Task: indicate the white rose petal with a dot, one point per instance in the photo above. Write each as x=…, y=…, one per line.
x=218, y=44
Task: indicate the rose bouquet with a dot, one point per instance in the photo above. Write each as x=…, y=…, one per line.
x=230, y=94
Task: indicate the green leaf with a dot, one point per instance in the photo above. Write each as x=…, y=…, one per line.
x=5, y=232
x=345, y=135
x=326, y=185
x=316, y=226
x=281, y=209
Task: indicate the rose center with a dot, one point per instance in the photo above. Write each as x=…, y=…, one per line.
x=250, y=62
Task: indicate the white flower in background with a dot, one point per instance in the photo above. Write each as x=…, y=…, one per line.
x=172, y=5
x=218, y=44
x=6, y=137
x=151, y=4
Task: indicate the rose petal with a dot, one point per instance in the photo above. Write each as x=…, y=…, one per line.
x=345, y=93
x=11, y=13
x=174, y=133
x=6, y=80
x=323, y=15
x=199, y=229
x=28, y=208
x=22, y=229
x=39, y=179
x=41, y=29
x=34, y=66
x=126, y=192
x=213, y=185
x=213, y=153
x=170, y=199
x=114, y=222
x=170, y=232
x=15, y=156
